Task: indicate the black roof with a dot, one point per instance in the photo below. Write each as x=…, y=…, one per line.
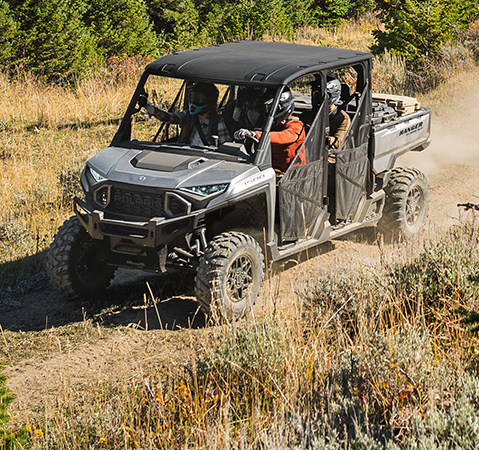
x=253, y=62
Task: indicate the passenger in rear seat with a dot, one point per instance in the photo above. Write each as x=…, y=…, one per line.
x=339, y=121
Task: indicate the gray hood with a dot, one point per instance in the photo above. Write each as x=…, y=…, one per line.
x=165, y=169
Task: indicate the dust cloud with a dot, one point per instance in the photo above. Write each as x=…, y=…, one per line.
x=451, y=163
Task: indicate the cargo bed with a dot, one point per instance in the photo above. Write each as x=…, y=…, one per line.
x=400, y=125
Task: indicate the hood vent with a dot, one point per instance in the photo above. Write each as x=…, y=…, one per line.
x=166, y=162
x=196, y=163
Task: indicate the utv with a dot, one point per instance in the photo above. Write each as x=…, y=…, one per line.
x=155, y=203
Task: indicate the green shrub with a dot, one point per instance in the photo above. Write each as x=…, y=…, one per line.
x=53, y=40
x=64, y=39
x=226, y=20
x=455, y=424
x=416, y=29
x=330, y=12
x=248, y=367
x=178, y=24
x=444, y=271
x=443, y=276
x=191, y=23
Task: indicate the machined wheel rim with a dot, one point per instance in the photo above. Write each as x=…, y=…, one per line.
x=239, y=278
x=414, y=205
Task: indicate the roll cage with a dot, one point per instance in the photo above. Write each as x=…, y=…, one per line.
x=250, y=63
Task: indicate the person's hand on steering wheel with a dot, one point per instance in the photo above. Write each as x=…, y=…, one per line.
x=242, y=134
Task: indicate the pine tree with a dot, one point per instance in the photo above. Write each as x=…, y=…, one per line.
x=121, y=26
x=416, y=29
x=8, y=34
x=54, y=40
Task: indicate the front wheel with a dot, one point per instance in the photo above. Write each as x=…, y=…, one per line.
x=406, y=205
x=229, y=275
x=76, y=263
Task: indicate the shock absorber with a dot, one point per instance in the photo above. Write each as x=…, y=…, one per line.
x=202, y=234
x=197, y=242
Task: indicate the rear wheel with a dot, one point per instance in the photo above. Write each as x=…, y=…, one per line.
x=406, y=206
x=229, y=275
x=77, y=264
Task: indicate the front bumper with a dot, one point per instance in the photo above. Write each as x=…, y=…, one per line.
x=154, y=233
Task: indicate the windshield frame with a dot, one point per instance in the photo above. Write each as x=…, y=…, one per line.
x=123, y=137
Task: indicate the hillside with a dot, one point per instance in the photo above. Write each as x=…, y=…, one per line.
x=363, y=345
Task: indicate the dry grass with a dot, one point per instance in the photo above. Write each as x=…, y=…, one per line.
x=20, y=345
x=457, y=86
x=354, y=34
x=47, y=131
x=370, y=358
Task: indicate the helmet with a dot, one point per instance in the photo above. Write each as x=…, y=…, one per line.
x=333, y=91
x=285, y=105
x=250, y=95
x=250, y=100
x=202, y=97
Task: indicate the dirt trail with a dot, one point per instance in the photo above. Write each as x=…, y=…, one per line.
x=125, y=354
x=452, y=167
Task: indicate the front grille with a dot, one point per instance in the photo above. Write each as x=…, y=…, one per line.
x=137, y=203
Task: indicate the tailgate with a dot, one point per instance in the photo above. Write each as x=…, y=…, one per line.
x=407, y=133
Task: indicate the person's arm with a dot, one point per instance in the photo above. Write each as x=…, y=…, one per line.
x=290, y=134
x=342, y=123
x=164, y=116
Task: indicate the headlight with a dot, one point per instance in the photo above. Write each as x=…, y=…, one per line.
x=93, y=176
x=206, y=191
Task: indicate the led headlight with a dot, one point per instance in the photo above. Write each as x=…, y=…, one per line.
x=93, y=176
x=206, y=191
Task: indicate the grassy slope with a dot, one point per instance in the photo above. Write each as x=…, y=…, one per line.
x=366, y=357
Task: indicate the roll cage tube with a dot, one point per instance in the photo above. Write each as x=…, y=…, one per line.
x=124, y=130
x=171, y=109
x=263, y=156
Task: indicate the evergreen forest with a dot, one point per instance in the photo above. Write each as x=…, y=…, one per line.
x=61, y=40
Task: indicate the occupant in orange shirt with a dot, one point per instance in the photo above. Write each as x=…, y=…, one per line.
x=286, y=135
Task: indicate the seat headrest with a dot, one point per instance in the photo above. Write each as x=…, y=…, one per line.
x=345, y=92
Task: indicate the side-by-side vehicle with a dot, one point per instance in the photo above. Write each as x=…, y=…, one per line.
x=153, y=202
